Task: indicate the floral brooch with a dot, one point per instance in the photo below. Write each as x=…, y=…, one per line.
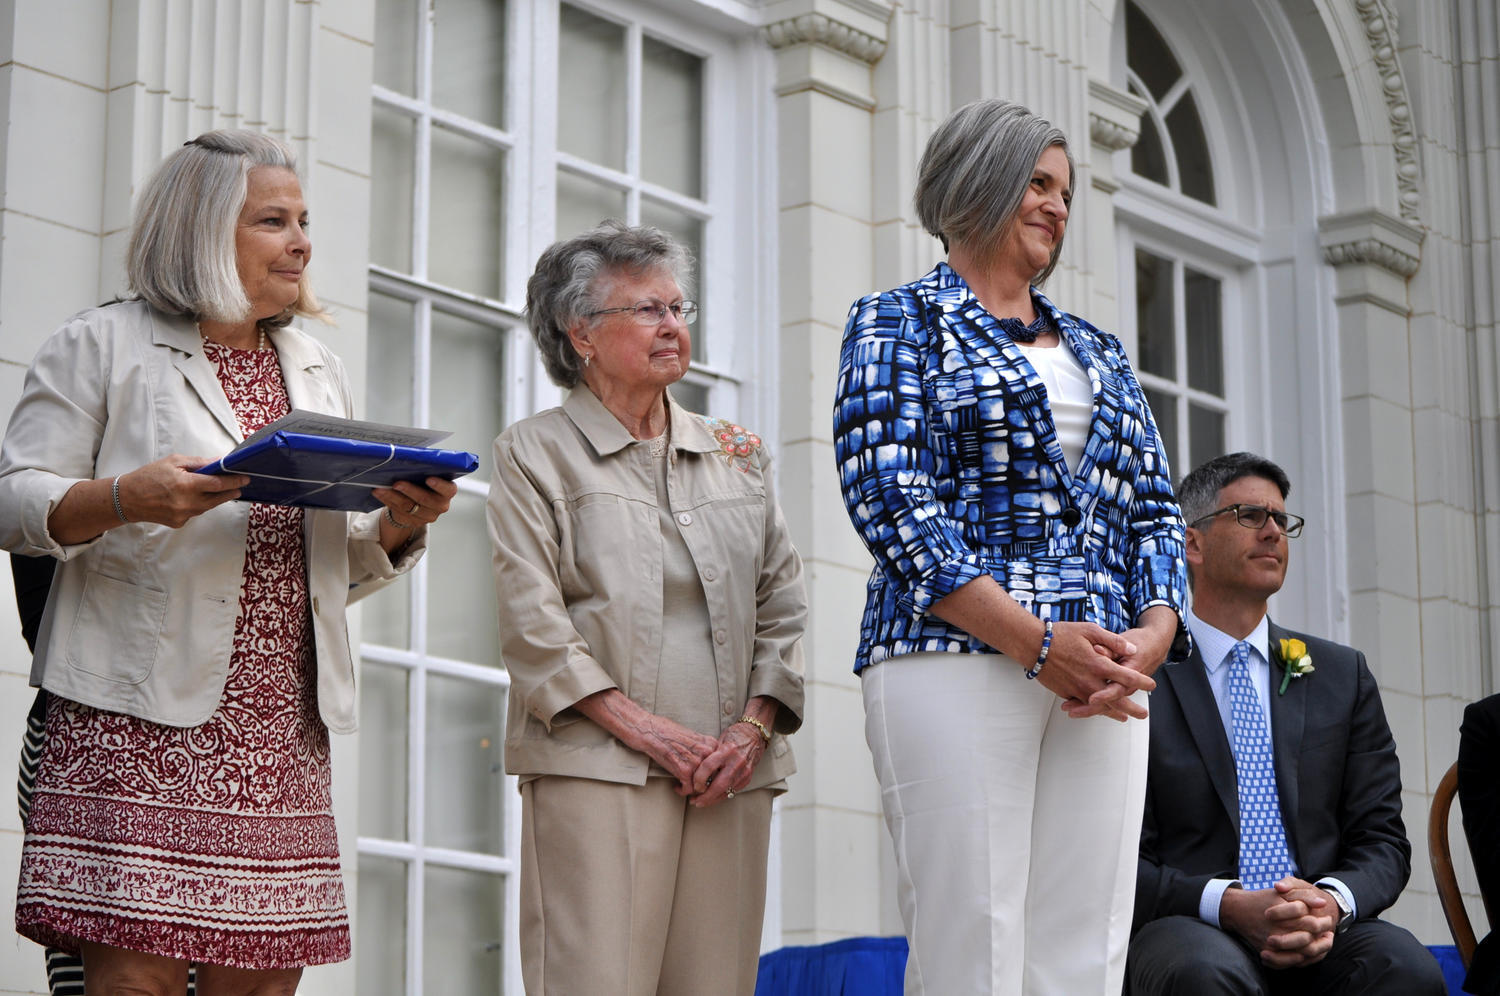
x=736, y=443
x=1295, y=662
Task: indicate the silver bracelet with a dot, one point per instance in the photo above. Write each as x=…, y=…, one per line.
x=392, y=520
x=114, y=494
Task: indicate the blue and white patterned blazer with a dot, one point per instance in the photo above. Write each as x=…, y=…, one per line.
x=951, y=468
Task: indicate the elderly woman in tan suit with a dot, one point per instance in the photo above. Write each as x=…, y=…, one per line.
x=651, y=617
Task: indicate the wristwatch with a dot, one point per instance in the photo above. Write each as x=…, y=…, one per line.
x=1346, y=913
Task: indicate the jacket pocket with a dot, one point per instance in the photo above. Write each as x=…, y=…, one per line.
x=117, y=630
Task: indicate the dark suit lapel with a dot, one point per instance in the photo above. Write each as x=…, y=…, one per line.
x=1201, y=712
x=1288, y=716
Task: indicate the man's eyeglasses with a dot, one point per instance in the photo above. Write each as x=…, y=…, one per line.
x=1255, y=516
x=653, y=313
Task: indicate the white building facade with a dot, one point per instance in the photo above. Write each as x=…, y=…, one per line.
x=1289, y=210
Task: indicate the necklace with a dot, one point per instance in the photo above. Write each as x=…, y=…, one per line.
x=260, y=336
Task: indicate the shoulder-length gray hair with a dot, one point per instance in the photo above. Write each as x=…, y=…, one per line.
x=181, y=257
x=570, y=277
x=975, y=171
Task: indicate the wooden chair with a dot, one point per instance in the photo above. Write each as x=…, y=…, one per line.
x=1442, y=866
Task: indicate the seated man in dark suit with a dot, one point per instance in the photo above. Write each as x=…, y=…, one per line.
x=1272, y=834
x=1479, y=797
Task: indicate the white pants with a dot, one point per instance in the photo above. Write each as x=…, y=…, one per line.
x=1016, y=828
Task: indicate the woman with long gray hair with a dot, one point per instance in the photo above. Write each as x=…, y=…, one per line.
x=192, y=651
x=651, y=618
x=1001, y=464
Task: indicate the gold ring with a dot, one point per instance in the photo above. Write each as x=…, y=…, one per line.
x=414, y=506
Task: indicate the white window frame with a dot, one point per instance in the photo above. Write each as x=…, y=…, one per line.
x=739, y=239
x=1183, y=254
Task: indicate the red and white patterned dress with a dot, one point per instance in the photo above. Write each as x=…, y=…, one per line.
x=214, y=843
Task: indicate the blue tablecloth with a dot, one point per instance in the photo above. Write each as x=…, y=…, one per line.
x=859, y=966
x=873, y=966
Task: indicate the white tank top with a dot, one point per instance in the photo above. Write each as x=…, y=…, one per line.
x=1069, y=393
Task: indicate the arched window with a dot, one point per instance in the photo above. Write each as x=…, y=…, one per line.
x=1172, y=149
x=1179, y=287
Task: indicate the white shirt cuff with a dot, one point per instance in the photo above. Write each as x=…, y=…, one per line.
x=1213, y=894
x=1341, y=889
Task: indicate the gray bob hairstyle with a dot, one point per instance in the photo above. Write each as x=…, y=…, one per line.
x=181, y=257
x=570, y=279
x=975, y=171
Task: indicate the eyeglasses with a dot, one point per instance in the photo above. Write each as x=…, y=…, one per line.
x=1255, y=516
x=654, y=312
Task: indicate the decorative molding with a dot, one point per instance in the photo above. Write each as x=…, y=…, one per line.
x=1114, y=116
x=827, y=89
x=1380, y=30
x=1372, y=251
x=1371, y=237
x=820, y=29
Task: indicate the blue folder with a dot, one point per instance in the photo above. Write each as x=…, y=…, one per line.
x=293, y=468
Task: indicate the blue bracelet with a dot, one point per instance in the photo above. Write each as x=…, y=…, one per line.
x=1041, y=658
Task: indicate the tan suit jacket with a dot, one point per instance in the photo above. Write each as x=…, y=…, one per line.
x=578, y=552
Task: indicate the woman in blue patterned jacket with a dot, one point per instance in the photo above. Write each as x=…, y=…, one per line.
x=999, y=460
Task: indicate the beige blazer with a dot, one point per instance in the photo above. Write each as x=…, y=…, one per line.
x=578, y=570
x=141, y=619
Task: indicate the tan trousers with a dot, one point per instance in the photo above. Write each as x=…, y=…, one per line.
x=628, y=891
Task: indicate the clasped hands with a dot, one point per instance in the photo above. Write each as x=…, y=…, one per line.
x=1095, y=671
x=1291, y=924
x=707, y=769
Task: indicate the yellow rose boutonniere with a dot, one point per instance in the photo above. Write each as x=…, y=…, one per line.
x=1295, y=662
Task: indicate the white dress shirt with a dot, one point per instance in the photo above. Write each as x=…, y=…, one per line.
x=1216, y=646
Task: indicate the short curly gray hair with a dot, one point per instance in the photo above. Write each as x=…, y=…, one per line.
x=975, y=170
x=181, y=256
x=569, y=276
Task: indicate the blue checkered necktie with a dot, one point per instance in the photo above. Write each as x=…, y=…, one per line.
x=1264, y=858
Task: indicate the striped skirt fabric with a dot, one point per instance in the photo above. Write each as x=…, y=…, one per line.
x=64, y=970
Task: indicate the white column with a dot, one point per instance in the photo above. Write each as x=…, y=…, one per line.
x=832, y=838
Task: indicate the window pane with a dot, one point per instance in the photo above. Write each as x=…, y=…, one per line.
x=1147, y=157
x=468, y=191
x=1195, y=170
x=693, y=397
x=461, y=586
x=1206, y=435
x=468, y=59
x=465, y=771
x=383, y=722
x=1147, y=54
x=1156, y=337
x=387, y=616
x=388, y=363
x=468, y=366
x=462, y=931
x=689, y=231
x=1164, y=410
x=380, y=920
x=1205, y=334
x=392, y=177
x=672, y=118
x=396, y=45
x=591, y=88
x=582, y=204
